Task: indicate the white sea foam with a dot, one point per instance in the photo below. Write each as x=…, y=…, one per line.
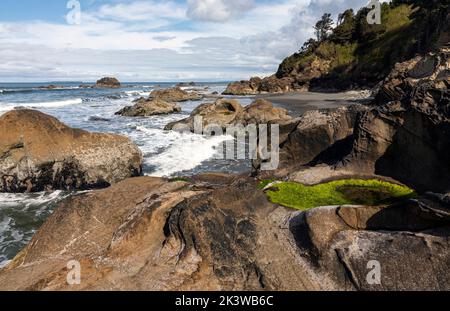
x=363, y=94
x=184, y=151
x=4, y=263
x=30, y=209
x=53, y=104
x=137, y=93
x=36, y=198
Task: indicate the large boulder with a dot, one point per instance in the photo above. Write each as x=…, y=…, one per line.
x=318, y=135
x=37, y=153
x=262, y=111
x=408, y=139
x=108, y=82
x=249, y=87
x=222, y=113
x=273, y=84
x=257, y=85
x=149, y=107
x=175, y=94
x=225, y=112
x=408, y=242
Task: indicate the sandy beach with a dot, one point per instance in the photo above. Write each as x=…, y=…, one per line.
x=298, y=103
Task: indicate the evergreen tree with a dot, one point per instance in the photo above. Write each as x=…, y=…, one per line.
x=344, y=32
x=323, y=27
x=309, y=46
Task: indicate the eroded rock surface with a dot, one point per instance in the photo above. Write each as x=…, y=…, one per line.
x=175, y=95
x=319, y=135
x=151, y=234
x=257, y=85
x=408, y=138
x=219, y=232
x=37, y=153
x=149, y=107
x=408, y=242
x=226, y=112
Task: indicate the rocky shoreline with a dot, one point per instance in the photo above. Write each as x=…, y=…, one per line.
x=221, y=231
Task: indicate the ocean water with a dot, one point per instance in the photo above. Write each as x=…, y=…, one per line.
x=165, y=153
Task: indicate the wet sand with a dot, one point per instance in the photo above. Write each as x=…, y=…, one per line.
x=298, y=103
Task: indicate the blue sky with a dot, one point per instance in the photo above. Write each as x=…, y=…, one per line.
x=150, y=40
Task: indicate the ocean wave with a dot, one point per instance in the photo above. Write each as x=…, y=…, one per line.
x=54, y=104
x=8, y=91
x=137, y=93
x=182, y=151
x=20, y=216
x=12, y=199
x=35, y=89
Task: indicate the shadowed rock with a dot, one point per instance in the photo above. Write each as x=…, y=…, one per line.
x=408, y=138
x=259, y=86
x=408, y=240
x=319, y=135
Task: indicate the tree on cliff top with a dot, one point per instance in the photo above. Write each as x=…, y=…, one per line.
x=323, y=27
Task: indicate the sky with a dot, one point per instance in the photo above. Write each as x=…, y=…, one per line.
x=151, y=40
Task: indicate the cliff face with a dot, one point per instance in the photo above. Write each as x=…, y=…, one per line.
x=355, y=54
x=406, y=136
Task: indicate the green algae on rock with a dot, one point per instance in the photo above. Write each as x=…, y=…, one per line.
x=340, y=192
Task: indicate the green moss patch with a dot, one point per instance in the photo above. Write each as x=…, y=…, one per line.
x=179, y=179
x=341, y=192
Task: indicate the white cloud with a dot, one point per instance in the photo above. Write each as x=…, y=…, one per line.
x=142, y=11
x=217, y=10
x=138, y=41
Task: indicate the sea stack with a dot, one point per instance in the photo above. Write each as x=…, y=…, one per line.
x=108, y=82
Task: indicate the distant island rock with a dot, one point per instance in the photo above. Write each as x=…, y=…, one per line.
x=50, y=87
x=186, y=84
x=108, y=82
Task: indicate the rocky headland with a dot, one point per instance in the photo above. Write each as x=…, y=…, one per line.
x=354, y=54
